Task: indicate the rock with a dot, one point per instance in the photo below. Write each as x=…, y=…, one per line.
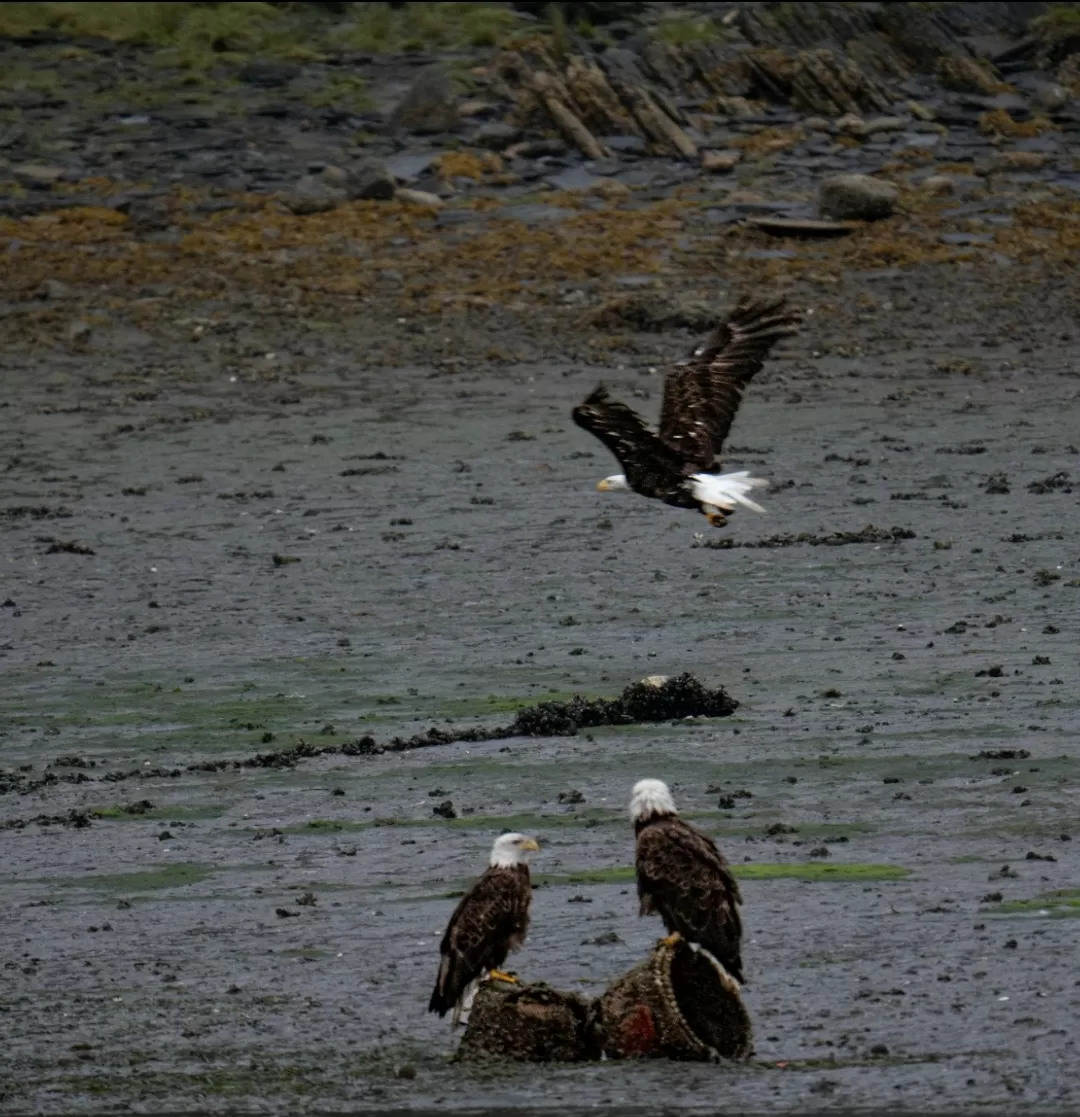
x=420, y=198
x=313, y=194
x=496, y=136
x=429, y=106
x=147, y=215
x=857, y=197
x=654, y=313
x=802, y=227
x=624, y=144
x=574, y=178
x=610, y=189
x=78, y=332
x=408, y=167
x=965, y=75
x=54, y=289
x=368, y=182
x=1051, y=97
x=39, y=176
x=853, y=125
x=720, y=162
x=938, y=185
x=1021, y=160
x=267, y=74
x=475, y=107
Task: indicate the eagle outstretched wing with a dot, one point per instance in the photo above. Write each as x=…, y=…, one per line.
x=647, y=460
x=491, y=920
x=702, y=397
x=682, y=876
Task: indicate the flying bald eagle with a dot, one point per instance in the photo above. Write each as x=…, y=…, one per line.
x=683, y=876
x=677, y=463
x=490, y=921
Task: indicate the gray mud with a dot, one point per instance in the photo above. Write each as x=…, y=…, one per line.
x=166, y=956
x=246, y=501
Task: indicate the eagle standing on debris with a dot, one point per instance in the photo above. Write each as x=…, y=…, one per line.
x=677, y=463
x=491, y=920
x=683, y=876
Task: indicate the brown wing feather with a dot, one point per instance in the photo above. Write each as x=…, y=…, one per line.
x=701, y=398
x=683, y=876
x=652, y=467
x=491, y=920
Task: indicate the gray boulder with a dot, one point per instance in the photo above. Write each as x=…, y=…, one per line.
x=429, y=106
x=496, y=136
x=854, y=197
x=312, y=194
x=334, y=186
x=369, y=181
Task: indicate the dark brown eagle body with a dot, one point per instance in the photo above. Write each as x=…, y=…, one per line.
x=683, y=877
x=491, y=920
x=700, y=402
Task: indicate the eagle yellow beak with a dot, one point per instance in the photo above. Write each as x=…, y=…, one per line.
x=603, y=486
x=530, y=844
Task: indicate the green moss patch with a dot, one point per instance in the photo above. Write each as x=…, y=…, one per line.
x=1064, y=903
x=810, y=871
x=165, y=876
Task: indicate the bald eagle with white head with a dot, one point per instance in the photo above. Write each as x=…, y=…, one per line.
x=490, y=921
x=678, y=462
x=683, y=876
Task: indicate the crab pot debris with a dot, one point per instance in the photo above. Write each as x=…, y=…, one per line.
x=679, y=1003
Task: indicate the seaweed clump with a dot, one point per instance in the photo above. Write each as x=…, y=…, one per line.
x=650, y=700
x=641, y=702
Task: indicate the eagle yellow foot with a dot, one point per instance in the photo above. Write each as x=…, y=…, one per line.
x=672, y=940
x=501, y=975
x=717, y=519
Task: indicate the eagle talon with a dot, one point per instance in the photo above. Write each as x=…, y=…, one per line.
x=501, y=975
x=717, y=519
x=672, y=940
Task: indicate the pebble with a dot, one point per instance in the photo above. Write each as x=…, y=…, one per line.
x=720, y=162
x=419, y=198
x=37, y=175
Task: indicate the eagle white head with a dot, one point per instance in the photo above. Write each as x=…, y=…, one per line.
x=510, y=850
x=616, y=483
x=650, y=797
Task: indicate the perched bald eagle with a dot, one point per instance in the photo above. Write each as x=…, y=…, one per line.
x=490, y=921
x=683, y=876
x=677, y=463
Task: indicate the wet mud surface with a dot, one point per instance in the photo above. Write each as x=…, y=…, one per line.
x=267, y=934
x=285, y=489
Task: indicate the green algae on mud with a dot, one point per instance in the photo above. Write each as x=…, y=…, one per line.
x=1062, y=903
x=756, y=870
x=175, y=875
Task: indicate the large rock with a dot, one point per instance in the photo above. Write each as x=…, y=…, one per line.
x=335, y=186
x=369, y=182
x=857, y=198
x=429, y=106
x=496, y=135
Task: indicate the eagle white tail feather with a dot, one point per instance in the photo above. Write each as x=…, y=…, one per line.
x=464, y=1006
x=725, y=490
